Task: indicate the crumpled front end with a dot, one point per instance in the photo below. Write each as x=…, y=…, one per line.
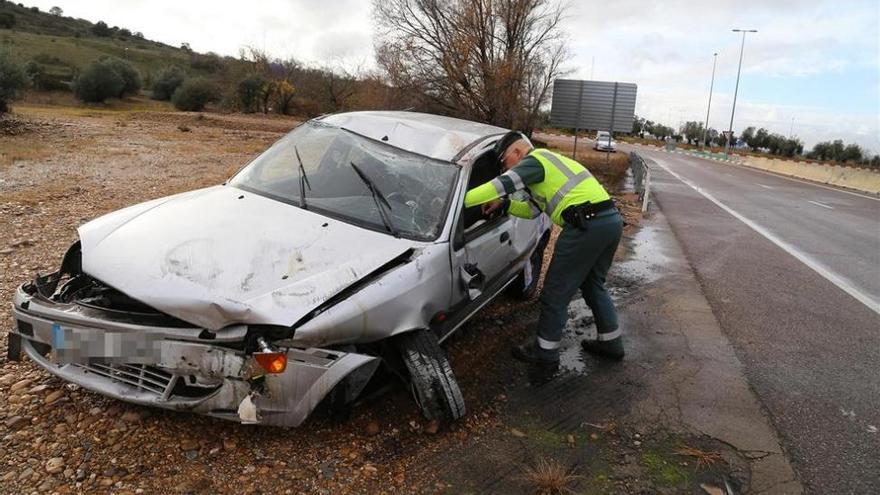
x=179, y=367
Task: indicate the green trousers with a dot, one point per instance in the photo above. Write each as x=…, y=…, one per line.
x=581, y=260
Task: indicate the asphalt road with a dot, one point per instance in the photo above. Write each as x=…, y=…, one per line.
x=792, y=273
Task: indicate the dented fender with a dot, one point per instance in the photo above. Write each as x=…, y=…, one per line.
x=388, y=305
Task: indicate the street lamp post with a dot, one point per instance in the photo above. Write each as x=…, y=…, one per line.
x=736, y=89
x=709, y=107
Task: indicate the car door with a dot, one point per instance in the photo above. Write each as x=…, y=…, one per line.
x=483, y=246
x=487, y=254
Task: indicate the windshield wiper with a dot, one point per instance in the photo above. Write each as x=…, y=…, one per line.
x=303, y=181
x=379, y=199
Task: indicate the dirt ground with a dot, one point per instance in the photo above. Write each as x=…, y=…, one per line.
x=60, y=167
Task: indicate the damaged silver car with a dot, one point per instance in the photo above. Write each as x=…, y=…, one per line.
x=342, y=250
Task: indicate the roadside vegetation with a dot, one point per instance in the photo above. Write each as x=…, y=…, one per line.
x=756, y=142
x=63, y=54
x=426, y=57
x=12, y=80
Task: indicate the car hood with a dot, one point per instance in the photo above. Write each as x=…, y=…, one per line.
x=218, y=256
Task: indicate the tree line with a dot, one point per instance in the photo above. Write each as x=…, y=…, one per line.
x=758, y=141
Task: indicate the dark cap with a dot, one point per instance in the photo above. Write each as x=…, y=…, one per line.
x=505, y=142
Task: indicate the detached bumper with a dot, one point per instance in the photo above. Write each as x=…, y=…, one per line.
x=184, y=372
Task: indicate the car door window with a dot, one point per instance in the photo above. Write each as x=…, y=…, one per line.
x=473, y=221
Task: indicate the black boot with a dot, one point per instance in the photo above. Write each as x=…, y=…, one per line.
x=531, y=353
x=611, y=349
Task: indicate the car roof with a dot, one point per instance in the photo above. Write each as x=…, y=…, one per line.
x=434, y=136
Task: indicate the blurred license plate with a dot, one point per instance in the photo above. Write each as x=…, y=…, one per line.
x=83, y=345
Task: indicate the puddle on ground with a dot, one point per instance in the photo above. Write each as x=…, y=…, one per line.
x=645, y=264
x=647, y=261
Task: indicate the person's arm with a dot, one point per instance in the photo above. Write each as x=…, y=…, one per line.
x=527, y=171
x=524, y=209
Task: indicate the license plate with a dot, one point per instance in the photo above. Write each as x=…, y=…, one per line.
x=83, y=345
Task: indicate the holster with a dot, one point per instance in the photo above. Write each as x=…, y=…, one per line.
x=578, y=216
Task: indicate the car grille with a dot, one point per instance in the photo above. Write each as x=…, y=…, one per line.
x=142, y=377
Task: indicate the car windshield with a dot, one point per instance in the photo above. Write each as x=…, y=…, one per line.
x=417, y=188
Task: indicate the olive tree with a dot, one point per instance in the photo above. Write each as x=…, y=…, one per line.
x=127, y=72
x=98, y=82
x=168, y=80
x=12, y=80
x=194, y=94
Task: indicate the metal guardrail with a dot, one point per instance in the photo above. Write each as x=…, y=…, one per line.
x=641, y=177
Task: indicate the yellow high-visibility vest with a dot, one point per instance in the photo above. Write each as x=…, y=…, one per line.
x=566, y=182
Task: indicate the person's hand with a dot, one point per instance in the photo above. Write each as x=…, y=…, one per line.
x=491, y=206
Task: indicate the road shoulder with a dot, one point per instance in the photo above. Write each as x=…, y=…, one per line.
x=676, y=415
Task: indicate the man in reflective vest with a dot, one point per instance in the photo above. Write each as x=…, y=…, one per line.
x=591, y=230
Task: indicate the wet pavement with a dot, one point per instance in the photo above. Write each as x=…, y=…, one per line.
x=781, y=274
x=629, y=427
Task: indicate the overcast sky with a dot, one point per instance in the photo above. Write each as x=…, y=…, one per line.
x=816, y=62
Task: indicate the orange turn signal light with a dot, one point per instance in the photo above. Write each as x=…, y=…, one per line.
x=272, y=362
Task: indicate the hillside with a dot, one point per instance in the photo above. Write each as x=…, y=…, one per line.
x=64, y=45
x=33, y=20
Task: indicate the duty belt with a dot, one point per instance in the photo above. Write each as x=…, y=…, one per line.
x=579, y=215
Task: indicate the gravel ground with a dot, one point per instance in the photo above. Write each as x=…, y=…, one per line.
x=64, y=166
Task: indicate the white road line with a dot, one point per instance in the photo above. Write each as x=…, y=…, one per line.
x=820, y=204
x=841, y=282
x=765, y=186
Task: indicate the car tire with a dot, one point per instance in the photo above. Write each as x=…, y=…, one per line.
x=518, y=287
x=433, y=383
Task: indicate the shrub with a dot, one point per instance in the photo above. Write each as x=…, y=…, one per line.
x=128, y=74
x=101, y=29
x=34, y=71
x=249, y=92
x=7, y=20
x=12, y=80
x=45, y=58
x=46, y=80
x=209, y=62
x=168, y=80
x=98, y=82
x=194, y=94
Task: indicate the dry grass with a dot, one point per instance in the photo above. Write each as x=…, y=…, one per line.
x=704, y=459
x=52, y=191
x=63, y=104
x=549, y=477
x=21, y=148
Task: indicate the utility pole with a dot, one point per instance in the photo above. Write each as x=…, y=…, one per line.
x=709, y=107
x=791, y=129
x=736, y=89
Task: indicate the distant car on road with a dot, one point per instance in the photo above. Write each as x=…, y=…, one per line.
x=604, y=142
x=343, y=247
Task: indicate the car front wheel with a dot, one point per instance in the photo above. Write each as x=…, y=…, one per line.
x=433, y=383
